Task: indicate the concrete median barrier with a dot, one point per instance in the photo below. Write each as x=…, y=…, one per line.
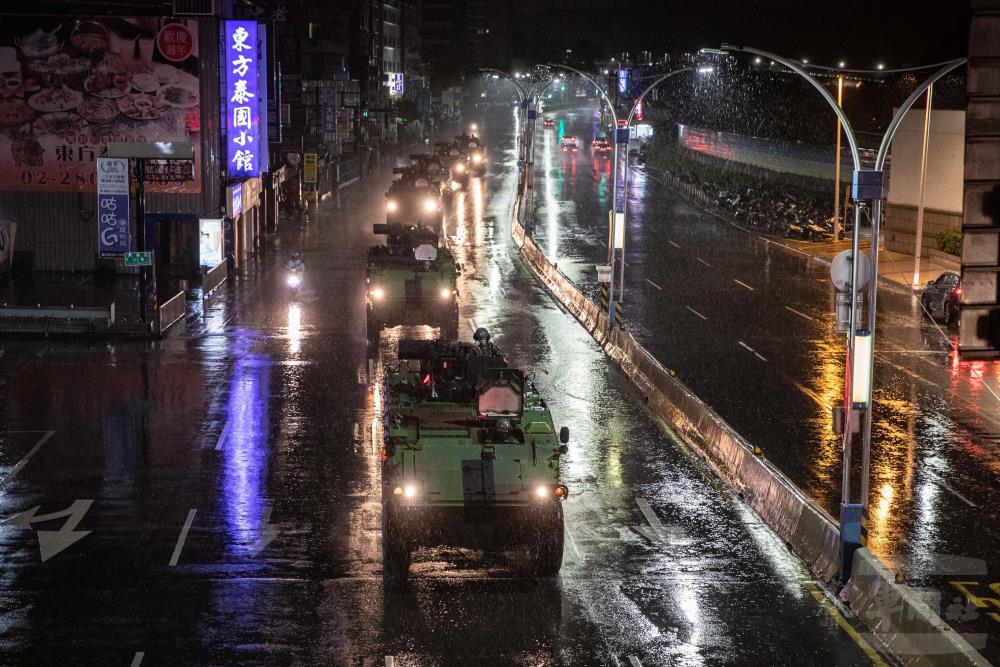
x=811, y=533
x=902, y=621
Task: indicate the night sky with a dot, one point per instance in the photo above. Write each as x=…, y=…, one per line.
x=862, y=32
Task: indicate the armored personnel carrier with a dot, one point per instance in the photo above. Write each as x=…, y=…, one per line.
x=414, y=199
x=475, y=153
x=455, y=158
x=412, y=280
x=470, y=458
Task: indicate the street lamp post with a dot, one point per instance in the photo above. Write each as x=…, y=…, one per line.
x=628, y=139
x=616, y=224
x=867, y=185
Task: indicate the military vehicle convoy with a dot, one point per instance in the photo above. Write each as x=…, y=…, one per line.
x=470, y=458
x=412, y=279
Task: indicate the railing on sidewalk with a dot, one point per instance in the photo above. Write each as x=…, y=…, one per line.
x=348, y=171
x=214, y=277
x=56, y=319
x=170, y=312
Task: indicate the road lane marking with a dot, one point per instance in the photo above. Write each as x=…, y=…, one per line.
x=740, y=282
x=944, y=485
x=654, y=284
x=750, y=349
x=224, y=435
x=835, y=614
x=182, y=537
x=634, y=661
x=27, y=457
x=137, y=659
x=811, y=319
x=703, y=262
x=472, y=323
x=390, y=661
x=696, y=312
x=572, y=543
x=672, y=243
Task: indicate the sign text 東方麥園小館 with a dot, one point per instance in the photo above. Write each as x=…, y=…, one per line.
x=242, y=116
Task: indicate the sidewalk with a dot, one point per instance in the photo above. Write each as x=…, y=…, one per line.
x=893, y=267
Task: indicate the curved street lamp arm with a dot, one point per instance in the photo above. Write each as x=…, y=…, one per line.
x=848, y=130
x=604, y=95
x=650, y=87
x=883, y=149
x=505, y=75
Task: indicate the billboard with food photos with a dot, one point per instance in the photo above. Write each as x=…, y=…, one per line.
x=69, y=87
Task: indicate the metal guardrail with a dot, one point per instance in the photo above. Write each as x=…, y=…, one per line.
x=348, y=171
x=56, y=319
x=170, y=312
x=214, y=277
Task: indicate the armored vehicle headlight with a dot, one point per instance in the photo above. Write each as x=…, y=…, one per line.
x=455, y=185
x=409, y=491
x=391, y=206
x=477, y=158
x=378, y=293
x=459, y=167
x=543, y=491
x=445, y=293
x=430, y=205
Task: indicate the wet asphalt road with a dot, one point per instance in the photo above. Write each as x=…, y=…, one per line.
x=212, y=499
x=749, y=327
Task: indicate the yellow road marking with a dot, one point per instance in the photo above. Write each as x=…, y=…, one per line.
x=845, y=626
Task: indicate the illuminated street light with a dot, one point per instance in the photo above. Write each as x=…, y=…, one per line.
x=842, y=64
x=880, y=66
x=868, y=187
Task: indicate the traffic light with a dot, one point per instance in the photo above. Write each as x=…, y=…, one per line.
x=364, y=111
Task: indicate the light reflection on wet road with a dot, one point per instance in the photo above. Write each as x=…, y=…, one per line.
x=235, y=515
x=749, y=327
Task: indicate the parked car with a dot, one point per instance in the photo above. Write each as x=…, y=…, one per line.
x=943, y=297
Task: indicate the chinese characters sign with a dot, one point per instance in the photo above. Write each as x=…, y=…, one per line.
x=68, y=89
x=243, y=146
x=394, y=80
x=112, y=206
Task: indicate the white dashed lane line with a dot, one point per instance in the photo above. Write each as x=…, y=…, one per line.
x=742, y=284
x=182, y=537
x=672, y=243
x=703, y=262
x=654, y=284
x=802, y=315
x=696, y=312
x=750, y=349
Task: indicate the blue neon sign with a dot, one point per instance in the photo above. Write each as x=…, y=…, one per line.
x=243, y=147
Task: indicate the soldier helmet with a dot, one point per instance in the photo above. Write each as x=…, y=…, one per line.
x=481, y=335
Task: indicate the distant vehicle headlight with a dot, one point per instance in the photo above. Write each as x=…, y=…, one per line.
x=455, y=185
x=477, y=158
x=459, y=167
x=378, y=293
x=391, y=206
x=430, y=205
x=294, y=280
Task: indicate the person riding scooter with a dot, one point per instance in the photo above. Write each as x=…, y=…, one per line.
x=296, y=269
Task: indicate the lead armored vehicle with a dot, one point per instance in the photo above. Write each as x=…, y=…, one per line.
x=470, y=458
